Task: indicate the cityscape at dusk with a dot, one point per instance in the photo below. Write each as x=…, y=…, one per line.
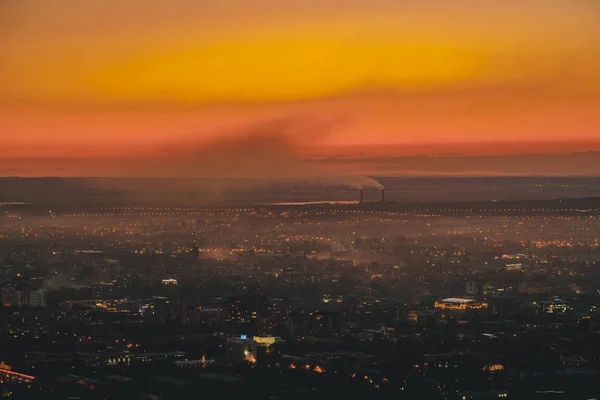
x=293, y=199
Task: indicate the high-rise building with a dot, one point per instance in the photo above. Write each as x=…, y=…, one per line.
x=473, y=288
x=12, y=297
x=248, y=313
x=37, y=298
x=22, y=298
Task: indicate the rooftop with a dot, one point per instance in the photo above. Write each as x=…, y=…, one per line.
x=457, y=300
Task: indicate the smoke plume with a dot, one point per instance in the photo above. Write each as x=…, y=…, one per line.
x=263, y=154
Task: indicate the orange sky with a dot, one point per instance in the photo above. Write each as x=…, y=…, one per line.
x=128, y=78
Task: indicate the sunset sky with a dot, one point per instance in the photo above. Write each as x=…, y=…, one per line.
x=131, y=79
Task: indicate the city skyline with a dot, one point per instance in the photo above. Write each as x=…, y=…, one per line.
x=292, y=199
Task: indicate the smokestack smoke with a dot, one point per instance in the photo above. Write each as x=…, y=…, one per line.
x=256, y=156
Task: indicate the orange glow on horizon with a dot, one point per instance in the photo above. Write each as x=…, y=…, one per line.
x=99, y=80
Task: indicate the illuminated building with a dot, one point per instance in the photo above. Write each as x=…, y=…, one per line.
x=556, y=306
x=248, y=313
x=493, y=368
x=157, y=306
x=280, y=307
x=265, y=340
x=240, y=350
x=13, y=298
x=119, y=305
x=127, y=358
x=497, y=289
x=459, y=304
x=513, y=267
x=21, y=298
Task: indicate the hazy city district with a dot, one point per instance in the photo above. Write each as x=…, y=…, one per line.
x=463, y=298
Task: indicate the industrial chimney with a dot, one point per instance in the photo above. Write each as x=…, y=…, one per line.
x=382, y=195
x=361, y=195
